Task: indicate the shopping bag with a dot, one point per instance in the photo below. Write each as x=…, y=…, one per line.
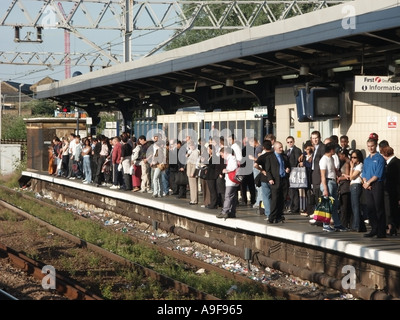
x=298, y=178
x=323, y=210
x=59, y=165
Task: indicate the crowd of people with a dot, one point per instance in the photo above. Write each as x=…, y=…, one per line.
x=363, y=188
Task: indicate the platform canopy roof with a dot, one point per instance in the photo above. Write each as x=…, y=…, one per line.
x=362, y=37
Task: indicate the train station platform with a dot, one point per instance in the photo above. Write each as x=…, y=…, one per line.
x=377, y=261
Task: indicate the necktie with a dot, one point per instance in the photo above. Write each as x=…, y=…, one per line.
x=289, y=152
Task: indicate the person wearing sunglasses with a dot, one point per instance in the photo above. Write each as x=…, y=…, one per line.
x=356, y=167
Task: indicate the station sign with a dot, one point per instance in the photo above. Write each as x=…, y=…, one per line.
x=392, y=122
x=372, y=84
x=260, y=112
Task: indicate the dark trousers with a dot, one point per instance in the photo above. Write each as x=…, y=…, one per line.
x=278, y=197
x=212, y=187
x=248, y=183
x=99, y=177
x=182, y=190
x=376, y=208
x=70, y=162
x=392, y=208
x=317, y=193
x=117, y=175
x=127, y=182
x=172, y=183
x=294, y=200
x=64, y=165
x=94, y=162
x=220, y=191
x=346, y=213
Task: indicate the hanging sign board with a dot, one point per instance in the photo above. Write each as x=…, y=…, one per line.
x=392, y=122
x=379, y=84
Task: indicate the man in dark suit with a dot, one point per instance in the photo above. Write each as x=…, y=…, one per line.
x=265, y=189
x=277, y=168
x=293, y=153
x=391, y=190
x=319, y=151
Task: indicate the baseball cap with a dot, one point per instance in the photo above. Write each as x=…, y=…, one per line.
x=373, y=136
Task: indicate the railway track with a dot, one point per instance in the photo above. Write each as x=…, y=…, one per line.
x=271, y=289
x=4, y=295
x=63, y=285
x=28, y=264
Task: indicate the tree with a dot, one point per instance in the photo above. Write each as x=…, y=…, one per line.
x=13, y=127
x=105, y=117
x=42, y=107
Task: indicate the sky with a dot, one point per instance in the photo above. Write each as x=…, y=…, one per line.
x=53, y=40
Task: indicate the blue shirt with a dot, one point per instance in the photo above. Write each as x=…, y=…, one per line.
x=282, y=172
x=374, y=166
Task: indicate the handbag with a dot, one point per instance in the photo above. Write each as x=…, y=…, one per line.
x=202, y=172
x=59, y=165
x=181, y=178
x=298, y=178
x=323, y=210
x=236, y=176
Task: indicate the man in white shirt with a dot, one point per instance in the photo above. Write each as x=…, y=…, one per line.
x=329, y=186
x=235, y=147
x=71, y=153
x=231, y=190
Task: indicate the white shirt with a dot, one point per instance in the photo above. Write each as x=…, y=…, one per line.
x=358, y=167
x=72, y=147
x=327, y=163
x=336, y=161
x=231, y=165
x=238, y=152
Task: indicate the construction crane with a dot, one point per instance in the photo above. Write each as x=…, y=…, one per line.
x=67, y=43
